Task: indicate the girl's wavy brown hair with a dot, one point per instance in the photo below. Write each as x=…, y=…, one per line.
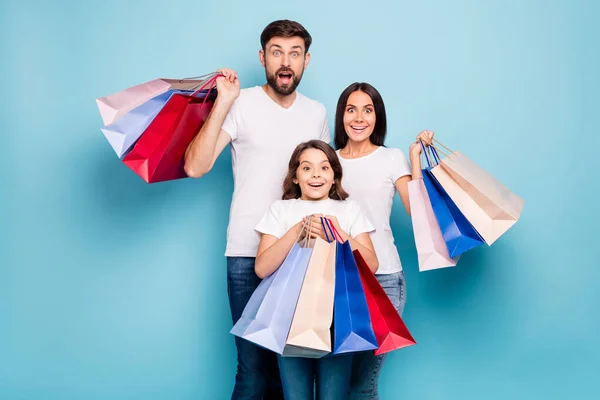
x=291, y=190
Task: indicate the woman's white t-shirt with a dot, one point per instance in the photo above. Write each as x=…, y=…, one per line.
x=370, y=180
x=284, y=214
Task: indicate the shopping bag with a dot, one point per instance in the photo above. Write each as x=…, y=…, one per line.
x=118, y=104
x=431, y=249
x=158, y=155
x=123, y=133
x=352, y=329
x=390, y=330
x=310, y=332
x=488, y=205
x=458, y=233
x=269, y=326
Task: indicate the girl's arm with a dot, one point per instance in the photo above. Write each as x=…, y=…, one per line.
x=272, y=251
x=361, y=242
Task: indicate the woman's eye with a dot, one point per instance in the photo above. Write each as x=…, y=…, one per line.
x=350, y=110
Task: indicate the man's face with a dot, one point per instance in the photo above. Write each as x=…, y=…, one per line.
x=284, y=60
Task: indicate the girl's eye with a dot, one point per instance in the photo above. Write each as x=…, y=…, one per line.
x=306, y=168
x=325, y=168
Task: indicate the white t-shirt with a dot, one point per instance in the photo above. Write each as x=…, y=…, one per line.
x=263, y=137
x=369, y=180
x=284, y=214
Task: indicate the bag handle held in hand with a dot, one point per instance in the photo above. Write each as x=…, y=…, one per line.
x=334, y=231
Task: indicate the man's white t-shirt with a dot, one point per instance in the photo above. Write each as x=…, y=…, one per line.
x=284, y=214
x=370, y=180
x=263, y=137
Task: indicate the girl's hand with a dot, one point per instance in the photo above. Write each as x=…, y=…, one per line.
x=316, y=227
x=333, y=220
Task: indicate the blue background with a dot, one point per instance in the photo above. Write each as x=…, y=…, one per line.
x=114, y=289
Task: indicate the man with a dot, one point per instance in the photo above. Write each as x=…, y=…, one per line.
x=263, y=124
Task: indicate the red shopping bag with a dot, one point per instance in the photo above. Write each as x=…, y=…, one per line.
x=158, y=154
x=390, y=330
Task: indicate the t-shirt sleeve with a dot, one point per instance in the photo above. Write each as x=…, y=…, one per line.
x=230, y=125
x=272, y=222
x=358, y=220
x=400, y=165
x=325, y=134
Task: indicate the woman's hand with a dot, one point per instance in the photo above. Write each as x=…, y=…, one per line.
x=426, y=137
x=415, y=152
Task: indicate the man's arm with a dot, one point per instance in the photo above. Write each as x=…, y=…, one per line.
x=201, y=154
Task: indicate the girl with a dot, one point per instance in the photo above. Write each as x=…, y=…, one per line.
x=312, y=187
x=373, y=174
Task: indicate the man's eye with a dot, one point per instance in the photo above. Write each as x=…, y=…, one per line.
x=276, y=53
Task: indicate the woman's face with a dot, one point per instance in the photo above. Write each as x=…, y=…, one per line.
x=359, y=116
x=314, y=175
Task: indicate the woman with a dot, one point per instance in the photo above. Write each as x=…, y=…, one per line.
x=373, y=174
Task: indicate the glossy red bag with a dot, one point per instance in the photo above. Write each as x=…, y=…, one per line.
x=390, y=330
x=159, y=153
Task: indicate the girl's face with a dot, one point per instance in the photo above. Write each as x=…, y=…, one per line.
x=314, y=175
x=359, y=116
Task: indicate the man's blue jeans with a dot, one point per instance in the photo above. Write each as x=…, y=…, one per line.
x=257, y=371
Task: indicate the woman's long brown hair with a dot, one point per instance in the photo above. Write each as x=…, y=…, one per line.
x=291, y=190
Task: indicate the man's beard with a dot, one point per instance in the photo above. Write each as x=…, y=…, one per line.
x=281, y=89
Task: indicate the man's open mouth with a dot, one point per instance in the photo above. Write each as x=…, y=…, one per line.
x=285, y=77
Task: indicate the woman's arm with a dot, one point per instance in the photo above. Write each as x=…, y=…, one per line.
x=272, y=251
x=414, y=152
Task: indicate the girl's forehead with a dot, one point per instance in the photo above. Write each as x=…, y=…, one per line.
x=313, y=155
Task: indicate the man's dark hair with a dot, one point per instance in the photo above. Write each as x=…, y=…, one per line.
x=285, y=28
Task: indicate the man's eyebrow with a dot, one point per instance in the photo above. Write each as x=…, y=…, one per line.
x=279, y=47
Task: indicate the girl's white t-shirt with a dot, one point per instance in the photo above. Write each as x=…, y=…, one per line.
x=370, y=180
x=284, y=214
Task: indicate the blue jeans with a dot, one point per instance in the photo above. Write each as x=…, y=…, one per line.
x=257, y=372
x=366, y=367
x=331, y=375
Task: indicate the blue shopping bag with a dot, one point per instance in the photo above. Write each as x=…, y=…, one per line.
x=124, y=133
x=459, y=235
x=267, y=318
x=352, y=329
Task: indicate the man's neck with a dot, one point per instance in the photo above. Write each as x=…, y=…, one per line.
x=283, y=101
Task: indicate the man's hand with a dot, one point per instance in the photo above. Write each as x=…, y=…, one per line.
x=228, y=85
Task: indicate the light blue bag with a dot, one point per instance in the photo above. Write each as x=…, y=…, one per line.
x=267, y=318
x=123, y=133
